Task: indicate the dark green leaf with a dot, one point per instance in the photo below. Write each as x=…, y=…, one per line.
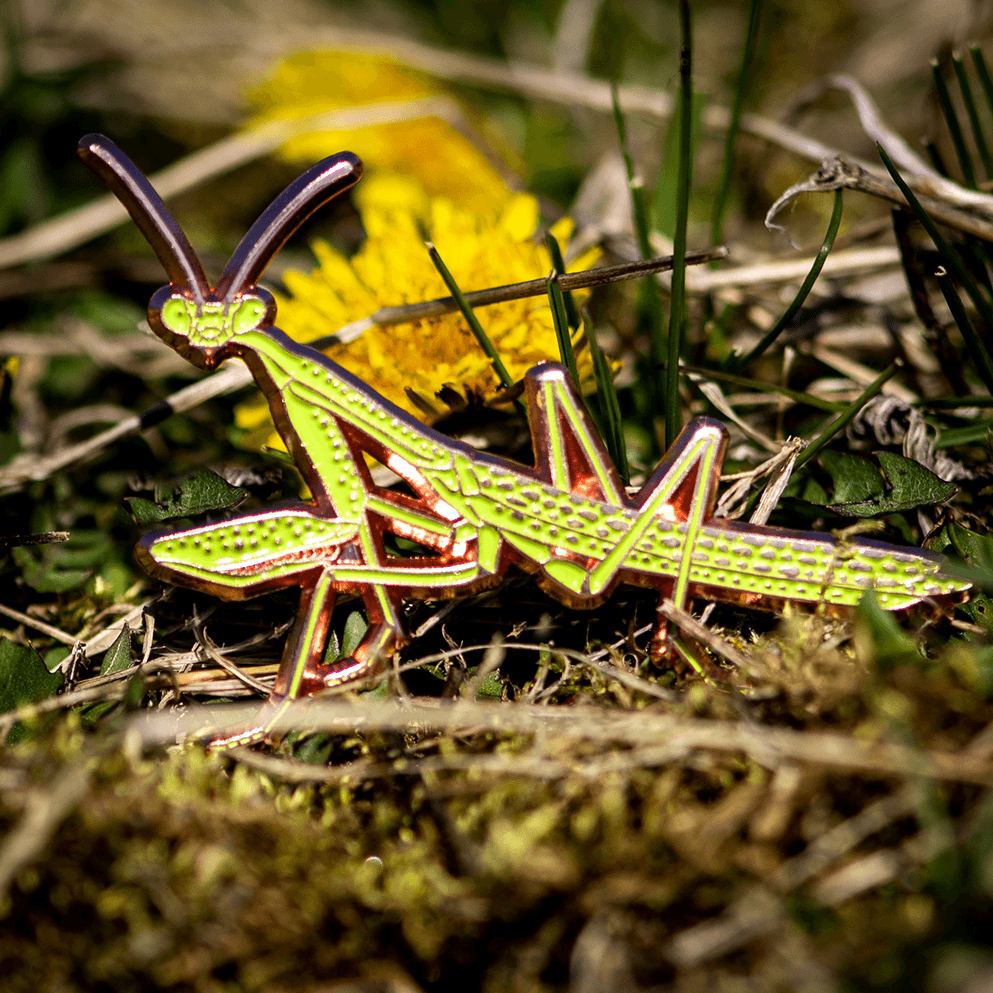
x=314, y=749
x=134, y=695
x=355, y=627
x=201, y=493
x=23, y=676
x=118, y=656
x=58, y=568
x=854, y=478
x=976, y=549
x=813, y=492
x=490, y=688
x=909, y=485
x=879, y=637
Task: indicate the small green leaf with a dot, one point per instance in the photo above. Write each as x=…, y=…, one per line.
x=333, y=651
x=314, y=749
x=118, y=656
x=909, y=485
x=54, y=657
x=879, y=637
x=58, y=568
x=813, y=492
x=976, y=549
x=201, y=493
x=23, y=676
x=134, y=694
x=44, y=578
x=854, y=478
x=355, y=627
x=490, y=688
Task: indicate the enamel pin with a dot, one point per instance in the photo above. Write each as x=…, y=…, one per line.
x=567, y=520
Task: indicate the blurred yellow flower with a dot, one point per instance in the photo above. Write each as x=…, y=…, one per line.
x=392, y=267
x=427, y=149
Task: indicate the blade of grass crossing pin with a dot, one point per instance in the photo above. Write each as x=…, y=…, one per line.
x=948, y=255
x=677, y=299
x=731, y=135
x=954, y=127
x=736, y=364
x=477, y=329
x=611, y=425
x=978, y=134
x=571, y=311
x=649, y=293
x=983, y=73
x=831, y=406
x=979, y=353
x=561, y=322
x=847, y=415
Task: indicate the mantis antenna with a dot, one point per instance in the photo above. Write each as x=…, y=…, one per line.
x=149, y=212
x=282, y=217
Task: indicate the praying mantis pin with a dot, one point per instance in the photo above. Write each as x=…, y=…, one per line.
x=568, y=519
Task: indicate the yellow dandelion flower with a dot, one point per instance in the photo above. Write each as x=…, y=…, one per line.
x=427, y=149
x=392, y=267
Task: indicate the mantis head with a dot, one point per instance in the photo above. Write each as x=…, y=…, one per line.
x=202, y=331
x=200, y=321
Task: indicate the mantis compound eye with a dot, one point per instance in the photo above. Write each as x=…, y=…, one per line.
x=178, y=314
x=247, y=314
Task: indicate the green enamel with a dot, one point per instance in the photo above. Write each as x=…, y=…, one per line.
x=580, y=543
x=548, y=524
x=215, y=322
x=240, y=555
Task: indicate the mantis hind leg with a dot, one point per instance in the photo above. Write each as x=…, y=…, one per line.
x=304, y=671
x=382, y=637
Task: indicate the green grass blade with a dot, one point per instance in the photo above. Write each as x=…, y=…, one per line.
x=677, y=301
x=649, y=293
x=477, y=329
x=662, y=206
x=571, y=310
x=610, y=424
x=736, y=364
x=950, y=257
x=950, y=403
x=978, y=134
x=935, y=157
x=731, y=135
x=830, y=406
x=561, y=322
x=635, y=185
x=954, y=128
x=978, y=351
x=977, y=433
x=983, y=72
x=848, y=414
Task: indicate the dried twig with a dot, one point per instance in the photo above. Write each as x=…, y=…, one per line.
x=769, y=745
x=841, y=172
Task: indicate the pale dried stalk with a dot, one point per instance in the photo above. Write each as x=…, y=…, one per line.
x=768, y=745
x=841, y=172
